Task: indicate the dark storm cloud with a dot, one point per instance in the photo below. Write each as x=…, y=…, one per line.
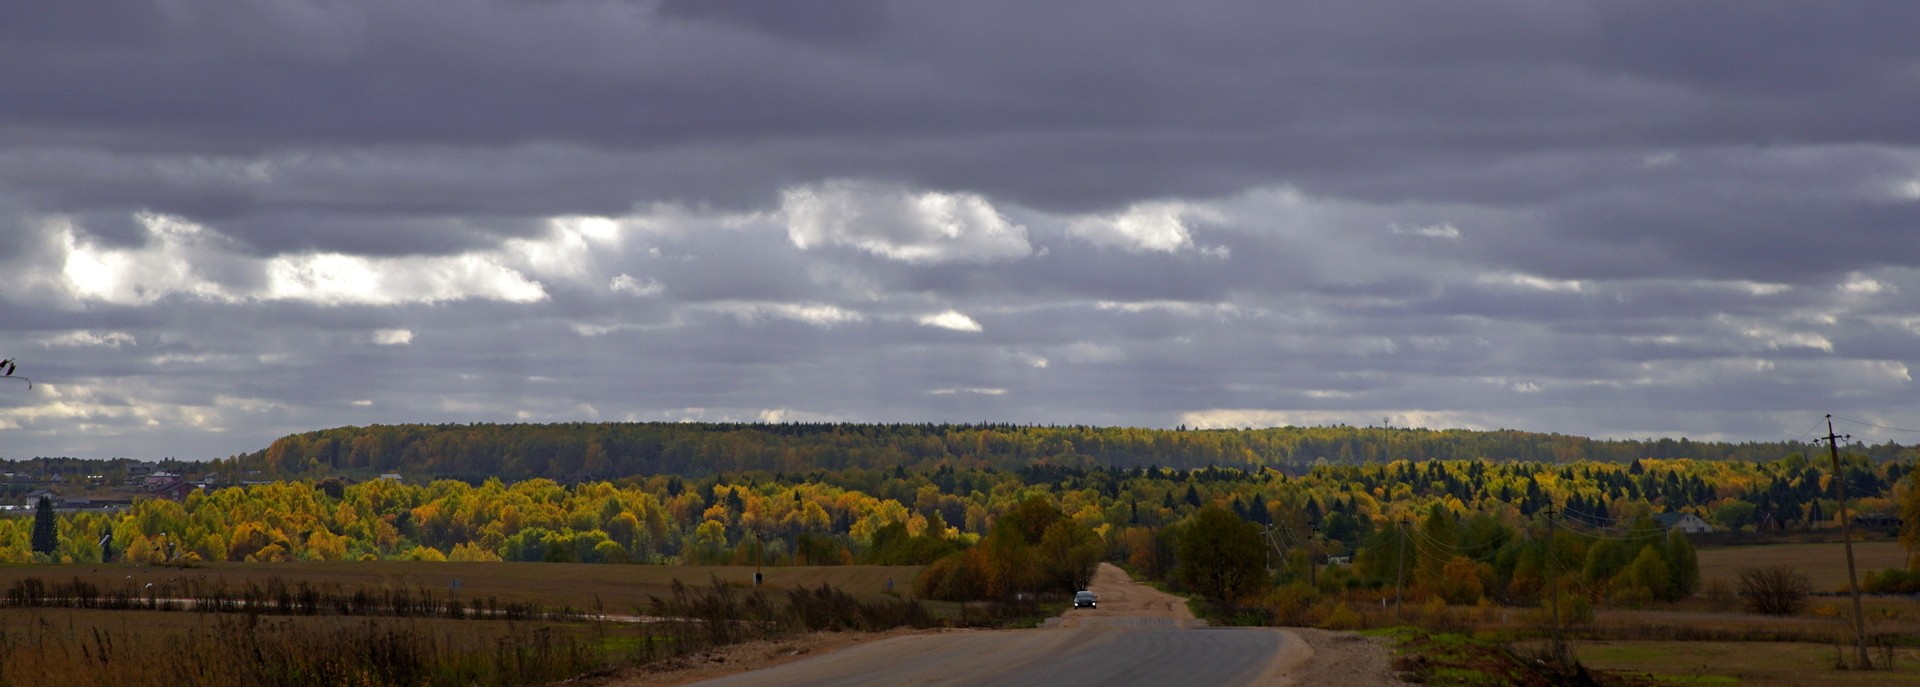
x=219, y=223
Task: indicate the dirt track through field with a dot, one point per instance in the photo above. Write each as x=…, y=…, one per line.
x=1125, y=603
x=1136, y=636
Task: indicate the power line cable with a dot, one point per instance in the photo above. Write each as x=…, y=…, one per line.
x=1644, y=537
x=1809, y=433
x=1869, y=424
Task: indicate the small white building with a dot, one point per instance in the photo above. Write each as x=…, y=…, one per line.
x=1685, y=522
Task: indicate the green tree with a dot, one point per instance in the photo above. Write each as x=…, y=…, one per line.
x=46, y=532
x=1221, y=556
x=1068, y=554
x=1909, y=500
x=1683, y=567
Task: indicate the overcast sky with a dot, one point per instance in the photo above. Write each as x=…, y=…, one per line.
x=224, y=222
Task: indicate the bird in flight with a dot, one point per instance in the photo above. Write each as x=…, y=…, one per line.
x=6, y=370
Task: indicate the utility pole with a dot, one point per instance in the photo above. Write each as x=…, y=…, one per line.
x=1313, y=549
x=1399, y=569
x=1846, y=536
x=1553, y=594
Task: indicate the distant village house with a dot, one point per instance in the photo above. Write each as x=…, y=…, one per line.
x=1878, y=521
x=1685, y=522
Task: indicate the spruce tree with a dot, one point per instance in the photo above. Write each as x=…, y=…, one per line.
x=46, y=537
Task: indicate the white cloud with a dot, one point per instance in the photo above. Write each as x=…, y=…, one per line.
x=976, y=390
x=1155, y=226
x=336, y=279
x=1443, y=230
x=816, y=314
x=1861, y=285
x=1761, y=288
x=85, y=338
x=627, y=284
x=1220, y=311
x=137, y=276
x=901, y=224
x=1778, y=337
x=393, y=337
x=951, y=319
x=1528, y=281
x=569, y=249
x=1234, y=418
x=179, y=257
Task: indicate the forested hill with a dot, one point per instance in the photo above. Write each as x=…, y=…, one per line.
x=604, y=450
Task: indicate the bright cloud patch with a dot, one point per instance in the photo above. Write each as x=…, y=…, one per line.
x=334, y=279
x=1862, y=285
x=901, y=224
x=180, y=257
x=393, y=337
x=165, y=267
x=1238, y=418
x=1157, y=226
x=1532, y=282
x=810, y=313
x=1443, y=230
x=627, y=284
x=951, y=319
x=92, y=339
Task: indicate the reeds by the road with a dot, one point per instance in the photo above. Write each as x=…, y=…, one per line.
x=190, y=631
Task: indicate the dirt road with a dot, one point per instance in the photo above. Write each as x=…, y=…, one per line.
x=1136, y=636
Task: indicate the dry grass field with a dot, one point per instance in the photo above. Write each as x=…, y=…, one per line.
x=1769, y=664
x=40, y=646
x=394, y=624
x=611, y=588
x=1825, y=565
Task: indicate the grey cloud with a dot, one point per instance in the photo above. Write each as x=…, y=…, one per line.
x=1666, y=213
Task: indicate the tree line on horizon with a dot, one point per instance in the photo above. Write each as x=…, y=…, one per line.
x=572, y=452
x=917, y=516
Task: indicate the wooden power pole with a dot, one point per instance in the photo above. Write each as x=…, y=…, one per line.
x=1846, y=536
x=1399, y=569
x=1553, y=594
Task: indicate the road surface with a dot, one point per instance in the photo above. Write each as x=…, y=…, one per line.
x=1137, y=636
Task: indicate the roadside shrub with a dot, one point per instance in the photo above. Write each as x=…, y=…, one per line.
x=1720, y=596
x=1893, y=581
x=1777, y=590
x=1343, y=617
x=1575, y=609
x=1289, y=604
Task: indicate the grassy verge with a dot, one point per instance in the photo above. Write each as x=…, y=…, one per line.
x=1447, y=659
x=192, y=632
x=1761, y=664
x=614, y=588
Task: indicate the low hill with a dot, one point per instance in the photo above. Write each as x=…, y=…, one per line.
x=604, y=450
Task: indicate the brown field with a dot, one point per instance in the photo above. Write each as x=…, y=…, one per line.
x=141, y=648
x=1825, y=565
x=1760, y=664
x=611, y=588
x=133, y=647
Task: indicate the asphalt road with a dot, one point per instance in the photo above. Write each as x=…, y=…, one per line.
x=1136, y=637
x=1196, y=657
